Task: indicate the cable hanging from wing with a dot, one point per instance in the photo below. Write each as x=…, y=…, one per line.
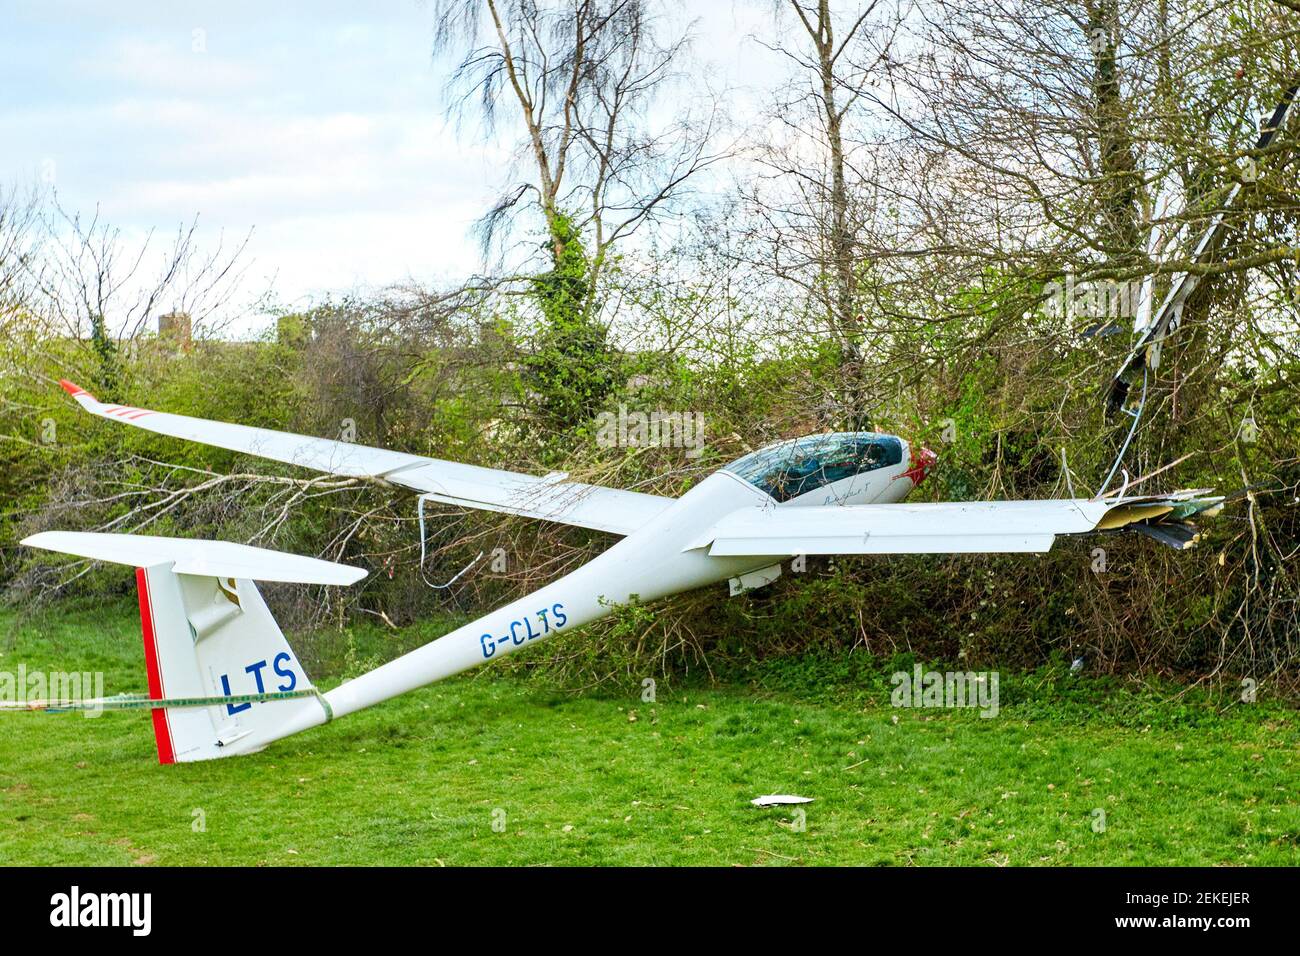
x=455, y=577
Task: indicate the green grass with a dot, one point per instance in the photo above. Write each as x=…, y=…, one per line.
x=581, y=779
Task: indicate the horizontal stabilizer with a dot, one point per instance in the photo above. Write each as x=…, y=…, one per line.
x=218, y=559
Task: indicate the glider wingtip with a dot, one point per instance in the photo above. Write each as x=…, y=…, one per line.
x=73, y=389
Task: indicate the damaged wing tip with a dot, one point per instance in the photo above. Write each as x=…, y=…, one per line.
x=1163, y=518
x=1174, y=534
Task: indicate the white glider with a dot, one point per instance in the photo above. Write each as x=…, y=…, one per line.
x=835, y=493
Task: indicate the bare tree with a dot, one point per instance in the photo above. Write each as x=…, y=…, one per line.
x=18, y=327
x=817, y=186
x=582, y=77
x=1032, y=142
x=17, y=218
x=90, y=280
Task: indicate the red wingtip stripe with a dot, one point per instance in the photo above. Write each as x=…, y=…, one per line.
x=73, y=389
x=161, y=730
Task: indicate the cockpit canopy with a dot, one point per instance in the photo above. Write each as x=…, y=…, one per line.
x=791, y=468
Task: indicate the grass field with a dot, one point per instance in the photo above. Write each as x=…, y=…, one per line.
x=498, y=768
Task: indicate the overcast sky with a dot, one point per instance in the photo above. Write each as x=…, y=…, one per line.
x=320, y=125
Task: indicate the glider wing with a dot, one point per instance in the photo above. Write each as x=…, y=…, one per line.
x=552, y=498
x=981, y=527
x=1146, y=352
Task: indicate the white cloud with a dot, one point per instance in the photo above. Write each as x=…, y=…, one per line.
x=175, y=65
x=318, y=124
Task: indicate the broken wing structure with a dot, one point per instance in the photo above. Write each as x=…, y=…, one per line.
x=1145, y=354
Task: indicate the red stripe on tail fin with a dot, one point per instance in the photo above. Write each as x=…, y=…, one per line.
x=161, y=730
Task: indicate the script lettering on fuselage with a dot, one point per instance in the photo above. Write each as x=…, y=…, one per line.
x=526, y=629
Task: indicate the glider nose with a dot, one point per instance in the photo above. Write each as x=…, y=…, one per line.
x=919, y=467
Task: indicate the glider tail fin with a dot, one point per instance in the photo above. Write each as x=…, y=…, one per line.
x=211, y=637
x=213, y=652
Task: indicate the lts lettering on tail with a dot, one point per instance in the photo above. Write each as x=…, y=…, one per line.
x=280, y=665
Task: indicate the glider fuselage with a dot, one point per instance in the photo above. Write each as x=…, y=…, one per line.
x=655, y=561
